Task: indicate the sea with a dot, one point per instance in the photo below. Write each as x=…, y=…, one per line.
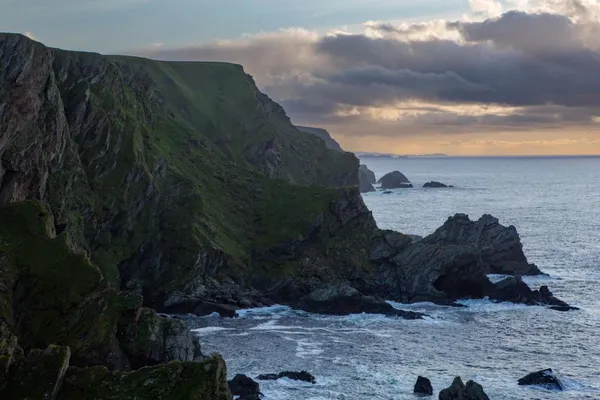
x=554, y=202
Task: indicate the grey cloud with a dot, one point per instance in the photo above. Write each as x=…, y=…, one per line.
x=542, y=63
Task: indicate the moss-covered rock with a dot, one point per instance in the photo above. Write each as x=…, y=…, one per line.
x=39, y=375
x=206, y=380
x=151, y=339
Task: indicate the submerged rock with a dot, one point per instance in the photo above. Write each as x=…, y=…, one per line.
x=394, y=180
x=434, y=184
x=459, y=391
x=297, y=376
x=342, y=299
x=544, y=378
x=245, y=387
x=423, y=386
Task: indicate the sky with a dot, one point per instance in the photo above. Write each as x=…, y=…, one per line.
x=463, y=77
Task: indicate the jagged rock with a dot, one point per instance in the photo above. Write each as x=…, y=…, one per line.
x=459, y=391
x=388, y=244
x=153, y=339
x=298, y=376
x=514, y=290
x=206, y=379
x=434, y=184
x=544, y=378
x=39, y=376
x=394, y=180
x=423, y=386
x=500, y=246
x=245, y=387
x=342, y=299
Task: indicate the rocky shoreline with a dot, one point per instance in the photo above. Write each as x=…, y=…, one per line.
x=123, y=196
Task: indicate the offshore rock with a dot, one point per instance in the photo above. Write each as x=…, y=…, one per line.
x=544, y=378
x=514, y=290
x=394, y=180
x=423, y=386
x=459, y=391
x=435, y=184
x=297, y=376
x=245, y=387
x=366, y=179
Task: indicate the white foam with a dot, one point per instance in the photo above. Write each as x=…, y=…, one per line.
x=271, y=325
x=486, y=305
x=262, y=311
x=209, y=329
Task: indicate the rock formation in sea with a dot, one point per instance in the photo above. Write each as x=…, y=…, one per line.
x=459, y=391
x=423, y=386
x=544, y=378
x=130, y=187
x=394, y=180
x=435, y=184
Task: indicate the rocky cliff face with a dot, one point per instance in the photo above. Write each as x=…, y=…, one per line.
x=322, y=134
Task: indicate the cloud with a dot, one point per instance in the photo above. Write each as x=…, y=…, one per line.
x=530, y=68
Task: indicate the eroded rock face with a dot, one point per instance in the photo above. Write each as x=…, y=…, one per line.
x=153, y=339
x=366, y=179
x=394, y=180
x=500, y=246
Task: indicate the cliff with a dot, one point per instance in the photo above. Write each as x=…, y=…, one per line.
x=322, y=134
x=126, y=182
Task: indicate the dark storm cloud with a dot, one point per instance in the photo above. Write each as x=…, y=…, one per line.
x=545, y=67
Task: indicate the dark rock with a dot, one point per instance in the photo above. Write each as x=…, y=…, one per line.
x=342, y=299
x=369, y=175
x=500, y=246
x=297, y=376
x=322, y=134
x=387, y=192
x=434, y=184
x=388, y=244
x=459, y=391
x=544, y=378
x=514, y=290
x=243, y=386
x=423, y=386
x=366, y=179
x=394, y=180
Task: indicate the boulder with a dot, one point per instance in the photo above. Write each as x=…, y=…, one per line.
x=544, y=378
x=387, y=192
x=297, y=376
x=342, y=299
x=434, y=184
x=423, y=386
x=245, y=387
x=459, y=391
x=394, y=180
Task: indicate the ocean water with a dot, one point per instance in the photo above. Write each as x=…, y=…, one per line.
x=555, y=204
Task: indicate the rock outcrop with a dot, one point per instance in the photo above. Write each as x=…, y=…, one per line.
x=514, y=290
x=394, y=180
x=366, y=179
x=544, y=378
x=459, y=391
x=244, y=387
x=342, y=299
x=435, y=184
x=423, y=386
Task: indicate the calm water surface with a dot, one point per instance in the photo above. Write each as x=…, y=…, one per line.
x=555, y=205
